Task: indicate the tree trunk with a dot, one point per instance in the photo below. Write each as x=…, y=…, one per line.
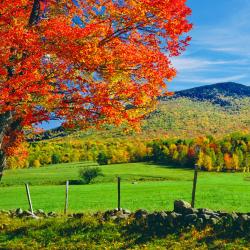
x=7, y=124
x=5, y=121
x=2, y=163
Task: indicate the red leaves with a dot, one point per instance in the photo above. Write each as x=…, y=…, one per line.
x=109, y=68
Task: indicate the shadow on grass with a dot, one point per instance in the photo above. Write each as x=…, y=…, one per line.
x=96, y=230
x=209, y=236
x=169, y=166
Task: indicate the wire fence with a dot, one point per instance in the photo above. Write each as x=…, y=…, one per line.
x=147, y=195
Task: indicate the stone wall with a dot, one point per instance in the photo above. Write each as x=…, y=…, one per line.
x=182, y=217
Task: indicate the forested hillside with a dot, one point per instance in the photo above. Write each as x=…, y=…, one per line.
x=185, y=117
x=203, y=116
x=223, y=94
x=217, y=109
x=230, y=153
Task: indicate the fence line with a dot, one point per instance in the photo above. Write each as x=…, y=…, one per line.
x=66, y=198
x=113, y=197
x=29, y=197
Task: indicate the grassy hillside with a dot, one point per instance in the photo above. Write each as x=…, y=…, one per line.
x=153, y=187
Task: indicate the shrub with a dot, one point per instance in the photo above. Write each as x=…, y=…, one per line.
x=88, y=174
x=102, y=158
x=36, y=163
x=55, y=159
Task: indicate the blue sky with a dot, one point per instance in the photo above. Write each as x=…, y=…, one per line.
x=220, y=46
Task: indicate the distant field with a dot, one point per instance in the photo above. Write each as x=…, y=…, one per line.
x=153, y=187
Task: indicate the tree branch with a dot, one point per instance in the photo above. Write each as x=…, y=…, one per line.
x=35, y=13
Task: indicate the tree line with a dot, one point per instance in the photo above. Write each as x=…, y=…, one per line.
x=232, y=153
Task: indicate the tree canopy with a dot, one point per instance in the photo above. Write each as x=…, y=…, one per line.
x=85, y=62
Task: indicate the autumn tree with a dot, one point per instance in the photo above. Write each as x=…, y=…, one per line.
x=84, y=62
x=219, y=160
x=228, y=161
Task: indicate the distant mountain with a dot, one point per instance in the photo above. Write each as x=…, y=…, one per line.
x=48, y=134
x=219, y=93
x=216, y=109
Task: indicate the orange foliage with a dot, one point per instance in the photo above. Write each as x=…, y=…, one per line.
x=228, y=160
x=108, y=67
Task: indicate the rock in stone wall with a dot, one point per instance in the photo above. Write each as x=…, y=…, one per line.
x=182, y=217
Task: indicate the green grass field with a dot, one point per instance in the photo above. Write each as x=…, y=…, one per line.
x=148, y=186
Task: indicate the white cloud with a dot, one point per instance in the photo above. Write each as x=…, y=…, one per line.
x=200, y=64
x=218, y=53
x=212, y=80
x=231, y=41
x=231, y=36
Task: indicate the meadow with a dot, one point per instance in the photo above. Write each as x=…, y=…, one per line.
x=144, y=185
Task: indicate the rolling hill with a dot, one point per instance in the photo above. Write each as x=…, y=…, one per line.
x=220, y=93
x=215, y=109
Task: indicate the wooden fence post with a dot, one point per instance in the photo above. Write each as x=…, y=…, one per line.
x=194, y=185
x=29, y=197
x=119, y=192
x=66, y=198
